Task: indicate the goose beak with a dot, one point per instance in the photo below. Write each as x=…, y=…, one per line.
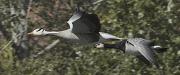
x=30, y=33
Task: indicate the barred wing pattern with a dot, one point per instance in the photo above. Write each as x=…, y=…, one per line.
x=143, y=46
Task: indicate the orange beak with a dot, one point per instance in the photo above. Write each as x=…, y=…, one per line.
x=30, y=33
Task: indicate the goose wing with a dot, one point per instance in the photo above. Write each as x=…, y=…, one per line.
x=106, y=36
x=109, y=36
x=143, y=47
x=82, y=22
x=142, y=58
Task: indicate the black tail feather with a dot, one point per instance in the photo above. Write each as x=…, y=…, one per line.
x=161, y=50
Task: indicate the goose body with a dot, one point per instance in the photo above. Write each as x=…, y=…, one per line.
x=84, y=29
x=141, y=48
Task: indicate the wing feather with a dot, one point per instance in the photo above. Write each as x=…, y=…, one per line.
x=146, y=51
x=76, y=15
x=82, y=22
x=143, y=47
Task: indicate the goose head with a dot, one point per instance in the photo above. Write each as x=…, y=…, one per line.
x=99, y=45
x=38, y=31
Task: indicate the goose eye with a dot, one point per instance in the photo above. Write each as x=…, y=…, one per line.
x=130, y=43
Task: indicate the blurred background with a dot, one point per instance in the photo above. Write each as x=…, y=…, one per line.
x=20, y=54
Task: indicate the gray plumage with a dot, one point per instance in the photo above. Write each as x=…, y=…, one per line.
x=141, y=48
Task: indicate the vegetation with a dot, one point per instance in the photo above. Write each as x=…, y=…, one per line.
x=157, y=20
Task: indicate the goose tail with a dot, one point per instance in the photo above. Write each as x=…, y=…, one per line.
x=159, y=49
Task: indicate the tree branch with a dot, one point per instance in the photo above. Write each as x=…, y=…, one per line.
x=49, y=47
x=29, y=8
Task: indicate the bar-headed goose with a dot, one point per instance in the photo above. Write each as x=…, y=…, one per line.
x=84, y=29
x=142, y=48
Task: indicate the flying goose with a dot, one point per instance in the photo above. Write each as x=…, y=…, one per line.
x=142, y=48
x=84, y=29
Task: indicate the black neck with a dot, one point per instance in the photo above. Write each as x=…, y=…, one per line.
x=110, y=46
x=119, y=45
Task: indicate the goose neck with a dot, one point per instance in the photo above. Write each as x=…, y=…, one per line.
x=50, y=32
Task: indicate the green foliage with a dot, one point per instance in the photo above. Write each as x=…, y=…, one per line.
x=6, y=57
x=157, y=20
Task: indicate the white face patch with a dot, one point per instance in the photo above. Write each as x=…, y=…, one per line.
x=38, y=31
x=99, y=45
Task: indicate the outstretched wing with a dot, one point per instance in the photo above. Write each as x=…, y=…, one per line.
x=106, y=36
x=82, y=22
x=142, y=58
x=143, y=47
x=109, y=36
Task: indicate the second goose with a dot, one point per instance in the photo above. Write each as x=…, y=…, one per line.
x=141, y=48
